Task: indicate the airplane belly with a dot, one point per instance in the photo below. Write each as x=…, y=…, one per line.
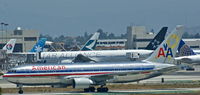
x=35, y=80
x=131, y=77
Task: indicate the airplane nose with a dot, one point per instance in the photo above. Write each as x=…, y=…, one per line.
x=1, y=73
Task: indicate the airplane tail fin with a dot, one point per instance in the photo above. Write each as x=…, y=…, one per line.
x=166, y=52
x=184, y=49
x=91, y=43
x=9, y=47
x=38, y=47
x=157, y=40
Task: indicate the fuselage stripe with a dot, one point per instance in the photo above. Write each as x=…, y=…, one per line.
x=31, y=75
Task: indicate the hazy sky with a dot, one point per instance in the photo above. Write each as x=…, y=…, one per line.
x=74, y=17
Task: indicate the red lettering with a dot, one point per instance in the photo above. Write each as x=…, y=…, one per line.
x=161, y=52
x=54, y=67
x=34, y=68
x=63, y=67
x=45, y=68
x=48, y=67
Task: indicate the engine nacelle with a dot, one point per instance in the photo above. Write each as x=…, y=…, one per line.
x=82, y=82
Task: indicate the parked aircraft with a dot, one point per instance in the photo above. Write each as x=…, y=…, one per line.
x=39, y=46
x=91, y=43
x=186, y=54
x=9, y=47
x=105, y=55
x=87, y=75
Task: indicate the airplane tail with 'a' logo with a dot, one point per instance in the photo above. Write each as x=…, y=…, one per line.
x=39, y=46
x=9, y=47
x=166, y=52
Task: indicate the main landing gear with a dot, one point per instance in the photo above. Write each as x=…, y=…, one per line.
x=100, y=89
x=20, y=89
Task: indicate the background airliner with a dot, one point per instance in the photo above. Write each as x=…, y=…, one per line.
x=187, y=55
x=9, y=47
x=87, y=75
x=105, y=55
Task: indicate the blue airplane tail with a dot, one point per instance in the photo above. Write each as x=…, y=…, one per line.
x=184, y=49
x=38, y=47
x=158, y=39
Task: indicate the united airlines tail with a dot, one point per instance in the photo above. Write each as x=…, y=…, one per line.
x=9, y=47
x=157, y=40
x=38, y=47
x=184, y=49
x=165, y=53
x=91, y=43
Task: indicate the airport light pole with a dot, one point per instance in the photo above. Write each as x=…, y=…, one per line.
x=2, y=24
x=6, y=27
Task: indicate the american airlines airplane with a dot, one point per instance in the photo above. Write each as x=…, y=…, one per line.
x=105, y=55
x=87, y=75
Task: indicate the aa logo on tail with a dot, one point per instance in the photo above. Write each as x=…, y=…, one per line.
x=167, y=49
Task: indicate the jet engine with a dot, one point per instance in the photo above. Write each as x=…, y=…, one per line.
x=82, y=82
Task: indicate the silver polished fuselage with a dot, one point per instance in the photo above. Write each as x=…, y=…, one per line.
x=49, y=74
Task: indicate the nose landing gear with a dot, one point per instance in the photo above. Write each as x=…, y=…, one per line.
x=20, y=89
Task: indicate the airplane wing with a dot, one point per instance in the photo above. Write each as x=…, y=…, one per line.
x=82, y=58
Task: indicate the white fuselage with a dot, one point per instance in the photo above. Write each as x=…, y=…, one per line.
x=97, y=55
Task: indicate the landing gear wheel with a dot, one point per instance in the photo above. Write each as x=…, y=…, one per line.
x=86, y=90
x=90, y=89
x=102, y=89
x=20, y=91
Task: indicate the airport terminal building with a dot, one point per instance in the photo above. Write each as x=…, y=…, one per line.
x=25, y=38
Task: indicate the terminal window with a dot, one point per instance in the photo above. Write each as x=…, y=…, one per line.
x=30, y=38
x=18, y=32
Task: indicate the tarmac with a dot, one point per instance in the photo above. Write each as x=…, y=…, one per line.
x=193, y=91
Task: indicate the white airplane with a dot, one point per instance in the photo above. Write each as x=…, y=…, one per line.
x=91, y=43
x=9, y=47
x=104, y=55
x=187, y=55
x=87, y=75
